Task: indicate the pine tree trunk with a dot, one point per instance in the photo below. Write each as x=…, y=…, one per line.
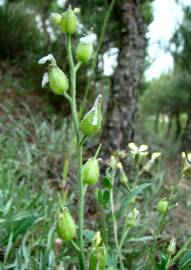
x=121, y=111
x=186, y=138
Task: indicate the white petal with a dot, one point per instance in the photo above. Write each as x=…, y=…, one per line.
x=133, y=146
x=189, y=157
x=91, y=38
x=183, y=155
x=143, y=148
x=45, y=80
x=45, y=59
x=155, y=155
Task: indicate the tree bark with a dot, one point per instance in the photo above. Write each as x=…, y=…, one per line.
x=186, y=138
x=121, y=110
x=178, y=126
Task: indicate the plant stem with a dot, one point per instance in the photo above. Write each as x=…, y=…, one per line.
x=124, y=236
x=115, y=223
x=168, y=263
x=73, y=71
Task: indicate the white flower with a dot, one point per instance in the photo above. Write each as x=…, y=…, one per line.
x=91, y=38
x=45, y=80
x=142, y=150
x=46, y=58
x=155, y=155
x=76, y=10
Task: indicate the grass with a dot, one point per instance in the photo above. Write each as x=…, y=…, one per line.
x=31, y=173
x=37, y=163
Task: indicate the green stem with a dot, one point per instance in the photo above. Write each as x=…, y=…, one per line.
x=98, y=150
x=115, y=230
x=163, y=217
x=124, y=236
x=168, y=263
x=75, y=246
x=73, y=71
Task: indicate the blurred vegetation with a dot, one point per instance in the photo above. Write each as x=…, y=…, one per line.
x=35, y=150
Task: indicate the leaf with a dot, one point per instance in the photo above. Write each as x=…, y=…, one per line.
x=130, y=197
x=89, y=235
x=102, y=197
x=185, y=261
x=107, y=182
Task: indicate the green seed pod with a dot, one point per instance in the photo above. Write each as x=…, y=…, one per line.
x=162, y=206
x=68, y=23
x=97, y=258
x=90, y=171
x=58, y=80
x=66, y=227
x=55, y=18
x=84, y=52
x=91, y=123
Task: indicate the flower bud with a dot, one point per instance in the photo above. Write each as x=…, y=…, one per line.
x=90, y=171
x=84, y=52
x=171, y=249
x=66, y=227
x=132, y=218
x=55, y=18
x=68, y=23
x=123, y=176
x=97, y=258
x=91, y=123
x=162, y=206
x=58, y=80
x=85, y=48
x=98, y=254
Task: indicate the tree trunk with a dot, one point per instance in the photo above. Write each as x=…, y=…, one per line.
x=156, y=123
x=186, y=138
x=120, y=114
x=178, y=126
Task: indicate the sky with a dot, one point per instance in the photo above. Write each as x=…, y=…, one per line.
x=167, y=16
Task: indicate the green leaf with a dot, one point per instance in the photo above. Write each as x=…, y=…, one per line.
x=102, y=197
x=130, y=197
x=89, y=235
x=107, y=182
x=185, y=261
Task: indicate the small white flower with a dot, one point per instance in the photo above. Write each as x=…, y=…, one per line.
x=143, y=148
x=46, y=58
x=45, y=80
x=76, y=10
x=134, y=149
x=91, y=38
x=155, y=155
